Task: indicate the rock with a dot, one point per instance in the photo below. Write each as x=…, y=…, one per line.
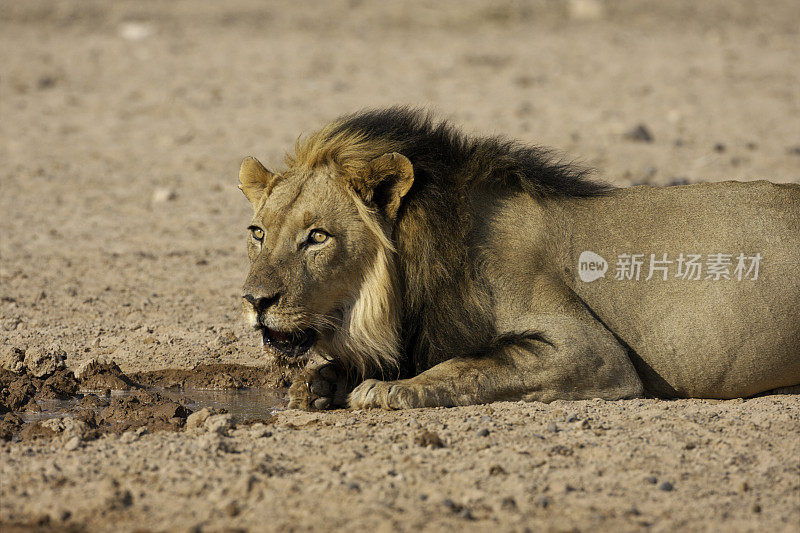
x=46, y=82
x=483, y=432
x=508, y=504
x=651, y=480
x=552, y=427
x=466, y=514
x=232, y=509
x=72, y=444
x=639, y=134
x=69, y=428
x=163, y=194
x=719, y=148
x=219, y=424
x=666, y=486
x=12, y=359
x=497, y=470
x=43, y=363
x=428, y=439
x=197, y=419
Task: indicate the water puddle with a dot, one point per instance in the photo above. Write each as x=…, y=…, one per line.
x=243, y=404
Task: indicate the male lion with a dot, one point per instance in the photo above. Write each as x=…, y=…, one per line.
x=475, y=269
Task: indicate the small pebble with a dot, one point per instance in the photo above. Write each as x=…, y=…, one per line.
x=572, y=417
x=232, y=509
x=497, y=470
x=72, y=444
x=483, y=432
x=651, y=479
x=719, y=148
x=508, y=504
x=541, y=501
x=640, y=134
x=428, y=439
x=552, y=427
x=466, y=514
x=666, y=486
x=162, y=195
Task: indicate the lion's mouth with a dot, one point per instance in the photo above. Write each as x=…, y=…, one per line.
x=288, y=343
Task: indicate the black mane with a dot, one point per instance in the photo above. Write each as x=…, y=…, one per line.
x=439, y=150
x=446, y=299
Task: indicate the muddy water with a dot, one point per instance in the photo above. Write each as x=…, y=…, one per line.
x=243, y=404
x=103, y=399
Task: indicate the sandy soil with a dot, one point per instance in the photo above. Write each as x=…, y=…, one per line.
x=122, y=237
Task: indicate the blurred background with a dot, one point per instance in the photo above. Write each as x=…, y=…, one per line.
x=123, y=125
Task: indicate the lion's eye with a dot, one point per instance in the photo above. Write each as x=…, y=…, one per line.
x=257, y=233
x=317, y=237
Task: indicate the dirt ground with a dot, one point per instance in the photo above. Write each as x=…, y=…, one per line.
x=122, y=238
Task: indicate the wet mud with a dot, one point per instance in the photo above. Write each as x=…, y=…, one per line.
x=42, y=399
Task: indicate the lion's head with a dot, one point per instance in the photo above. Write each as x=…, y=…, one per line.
x=322, y=269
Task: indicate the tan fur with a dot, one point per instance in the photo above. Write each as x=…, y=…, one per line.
x=452, y=265
x=368, y=339
x=348, y=151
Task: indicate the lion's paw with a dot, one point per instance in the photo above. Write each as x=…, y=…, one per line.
x=318, y=388
x=373, y=393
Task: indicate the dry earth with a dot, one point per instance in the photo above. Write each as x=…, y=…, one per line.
x=122, y=237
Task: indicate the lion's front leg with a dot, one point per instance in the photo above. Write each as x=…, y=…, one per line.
x=571, y=363
x=459, y=381
x=319, y=387
x=399, y=394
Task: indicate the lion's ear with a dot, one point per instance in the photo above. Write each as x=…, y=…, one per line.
x=389, y=179
x=255, y=180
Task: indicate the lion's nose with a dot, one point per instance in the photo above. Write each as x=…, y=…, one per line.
x=262, y=303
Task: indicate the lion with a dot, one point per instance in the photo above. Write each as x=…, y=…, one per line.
x=404, y=264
